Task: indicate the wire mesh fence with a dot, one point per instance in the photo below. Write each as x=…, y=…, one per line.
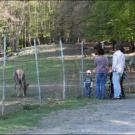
x=53, y=72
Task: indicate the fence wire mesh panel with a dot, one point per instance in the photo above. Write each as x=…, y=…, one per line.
x=20, y=62
x=50, y=75
x=50, y=67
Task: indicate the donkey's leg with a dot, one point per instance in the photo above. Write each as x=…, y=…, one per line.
x=15, y=88
x=23, y=89
x=19, y=90
x=23, y=93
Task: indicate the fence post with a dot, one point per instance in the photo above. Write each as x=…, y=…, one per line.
x=37, y=70
x=4, y=68
x=63, y=68
x=82, y=66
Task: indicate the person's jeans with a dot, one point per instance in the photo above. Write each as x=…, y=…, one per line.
x=101, y=85
x=87, y=89
x=116, y=83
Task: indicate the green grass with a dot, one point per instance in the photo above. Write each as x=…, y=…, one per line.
x=50, y=71
x=31, y=115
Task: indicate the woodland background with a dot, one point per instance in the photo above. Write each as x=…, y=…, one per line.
x=70, y=20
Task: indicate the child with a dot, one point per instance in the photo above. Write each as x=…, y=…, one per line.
x=88, y=84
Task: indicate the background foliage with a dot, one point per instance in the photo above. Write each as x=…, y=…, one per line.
x=70, y=20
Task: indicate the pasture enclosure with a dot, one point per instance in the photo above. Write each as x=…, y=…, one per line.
x=54, y=72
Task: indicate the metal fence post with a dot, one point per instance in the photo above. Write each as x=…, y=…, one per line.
x=82, y=66
x=4, y=68
x=37, y=70
x=63, y=68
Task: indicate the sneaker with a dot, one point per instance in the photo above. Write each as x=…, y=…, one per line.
x=116, y=97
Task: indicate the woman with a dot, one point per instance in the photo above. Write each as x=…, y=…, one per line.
x=101, y=63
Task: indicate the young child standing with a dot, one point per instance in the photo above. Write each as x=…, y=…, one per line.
x=88, y=84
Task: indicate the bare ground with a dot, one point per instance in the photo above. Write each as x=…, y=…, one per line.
x=106, y=117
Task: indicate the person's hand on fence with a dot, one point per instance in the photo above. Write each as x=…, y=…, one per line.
x=93, y=55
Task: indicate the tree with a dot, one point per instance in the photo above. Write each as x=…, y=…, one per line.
x=111, y=20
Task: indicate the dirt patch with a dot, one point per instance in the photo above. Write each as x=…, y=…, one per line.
x=106, y=117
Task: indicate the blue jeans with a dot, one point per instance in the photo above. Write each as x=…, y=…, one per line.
x=116, y=83
x=87, y=89
x=101, y=85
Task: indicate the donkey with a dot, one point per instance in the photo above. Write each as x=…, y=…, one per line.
x=20, y=81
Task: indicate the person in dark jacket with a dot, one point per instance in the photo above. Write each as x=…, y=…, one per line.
x=111, y=93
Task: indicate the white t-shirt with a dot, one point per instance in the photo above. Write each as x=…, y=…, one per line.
x=118, y=61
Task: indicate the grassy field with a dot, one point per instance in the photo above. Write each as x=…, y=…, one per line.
x=50, y=72
x=30, y=116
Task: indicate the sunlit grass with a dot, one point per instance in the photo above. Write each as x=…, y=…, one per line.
x=50, y=71
x=30, y=115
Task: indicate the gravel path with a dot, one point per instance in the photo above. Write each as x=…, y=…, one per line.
x=107, y=117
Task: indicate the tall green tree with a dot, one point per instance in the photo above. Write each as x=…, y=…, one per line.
x=111, y=20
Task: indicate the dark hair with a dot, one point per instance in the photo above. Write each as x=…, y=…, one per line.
x=120, y=47
x=99, y=49
x=98, y=46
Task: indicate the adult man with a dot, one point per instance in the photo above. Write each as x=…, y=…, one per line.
x=118, y=65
